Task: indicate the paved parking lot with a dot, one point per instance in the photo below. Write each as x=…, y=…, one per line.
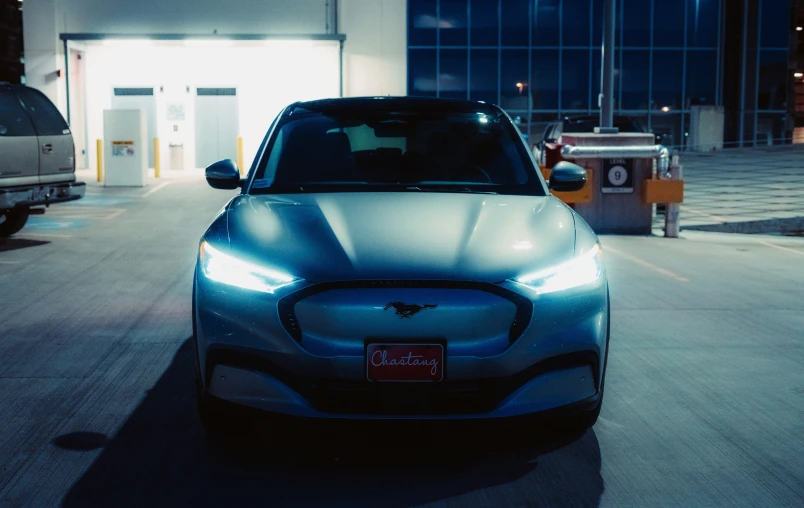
x=704, y=395
x=748, y=190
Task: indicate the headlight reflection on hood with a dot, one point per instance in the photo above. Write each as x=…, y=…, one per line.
x=580, y=271
x=229, y=270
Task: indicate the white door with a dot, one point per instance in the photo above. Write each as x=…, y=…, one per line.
x=216, y=125
x=139, y=98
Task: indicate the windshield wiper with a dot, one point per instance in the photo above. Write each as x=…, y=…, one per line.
x=445, y=188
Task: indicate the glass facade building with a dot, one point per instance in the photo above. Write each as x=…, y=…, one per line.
x=541, y=60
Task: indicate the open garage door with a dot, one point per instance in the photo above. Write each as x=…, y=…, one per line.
x=207, y=90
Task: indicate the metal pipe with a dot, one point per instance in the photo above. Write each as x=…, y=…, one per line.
x=671, y=210
x=742, y=72
x=661, y=153
x=607, y=71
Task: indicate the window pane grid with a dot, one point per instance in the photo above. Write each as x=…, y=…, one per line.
x=542, y=59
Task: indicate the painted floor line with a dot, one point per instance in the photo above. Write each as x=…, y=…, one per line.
x=115, y=214
x=646, y=264
x=161, y=185
x=9, y=262
x=702, y=214
x=800, y=253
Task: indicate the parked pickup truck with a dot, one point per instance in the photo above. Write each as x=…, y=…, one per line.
x=37, y=157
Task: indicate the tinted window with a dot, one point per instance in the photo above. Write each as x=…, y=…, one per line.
x=396, y=150
x=453, y=22
x=13, y=120
x=515, y=20
x=484, y=75
x=46, y=118
x=423, y=22
x=422, y=72
x=636, y=22
x=545, y=26
x=452, y=80
x=576, y=22
x=485, y=23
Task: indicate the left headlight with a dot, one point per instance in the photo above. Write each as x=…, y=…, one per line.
x=582, y=270
x=227, y=269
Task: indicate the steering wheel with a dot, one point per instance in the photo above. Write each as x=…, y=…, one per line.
x=473, y=173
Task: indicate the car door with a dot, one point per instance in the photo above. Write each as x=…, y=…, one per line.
x=19, y=148
x=56, y=149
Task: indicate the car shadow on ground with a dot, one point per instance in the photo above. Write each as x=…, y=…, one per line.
x=160, y=457
x=9, y=244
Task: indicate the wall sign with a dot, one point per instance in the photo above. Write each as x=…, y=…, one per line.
x=618, y=176
x=122, y=149
x=175, y=111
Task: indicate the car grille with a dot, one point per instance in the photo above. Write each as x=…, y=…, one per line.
x=287, y=304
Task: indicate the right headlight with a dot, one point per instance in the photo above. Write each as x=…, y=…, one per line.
x=585, y=269
x=227, y=269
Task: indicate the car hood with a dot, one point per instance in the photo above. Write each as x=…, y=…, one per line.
x=410, y=235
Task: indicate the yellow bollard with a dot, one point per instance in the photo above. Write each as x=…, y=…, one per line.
x=157, y=164
x=99, y=149
x=240, y=154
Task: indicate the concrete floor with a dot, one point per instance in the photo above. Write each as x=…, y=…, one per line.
x=748, y=190
x=704, y=395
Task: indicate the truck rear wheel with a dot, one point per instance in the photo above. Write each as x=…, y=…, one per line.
x=12, y=221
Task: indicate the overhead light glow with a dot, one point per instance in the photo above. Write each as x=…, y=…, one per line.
x=799, y=28
x=127, y=42
x=208, y=43
x=665, y=109
x=798, y=74
x=288, y=43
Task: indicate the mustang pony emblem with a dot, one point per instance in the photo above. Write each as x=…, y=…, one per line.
x=405, y=310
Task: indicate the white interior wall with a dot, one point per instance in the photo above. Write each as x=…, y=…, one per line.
x=268, y=76
x=191, y=16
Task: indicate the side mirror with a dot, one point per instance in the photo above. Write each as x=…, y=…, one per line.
x=567, y=177
x=223, y=175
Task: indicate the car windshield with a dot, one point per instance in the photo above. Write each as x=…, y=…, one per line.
x=368, y=151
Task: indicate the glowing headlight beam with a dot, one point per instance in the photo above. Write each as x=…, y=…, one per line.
x=229, y=270
x=580, y=271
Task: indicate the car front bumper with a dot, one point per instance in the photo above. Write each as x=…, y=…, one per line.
x=248, y=356
x=44, y=194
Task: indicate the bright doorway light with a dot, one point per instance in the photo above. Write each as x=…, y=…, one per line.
x=128, y=42
x=208, y=43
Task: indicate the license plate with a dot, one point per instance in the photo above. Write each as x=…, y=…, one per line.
x=392, y=362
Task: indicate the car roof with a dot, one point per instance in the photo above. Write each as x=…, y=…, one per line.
x=593, y=118
x=395, y=104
